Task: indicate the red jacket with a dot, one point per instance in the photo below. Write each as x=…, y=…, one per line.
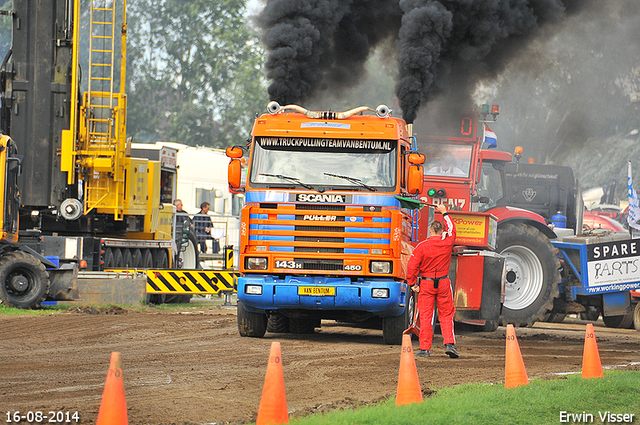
x=432, y=256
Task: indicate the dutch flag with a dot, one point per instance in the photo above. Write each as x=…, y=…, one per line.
x=490, y=137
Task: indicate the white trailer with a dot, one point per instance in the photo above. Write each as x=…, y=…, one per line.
x=202, y=177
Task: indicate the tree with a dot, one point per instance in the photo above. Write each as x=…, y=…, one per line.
x=194, y=72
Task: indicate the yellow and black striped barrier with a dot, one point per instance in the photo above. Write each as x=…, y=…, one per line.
x=189, y=281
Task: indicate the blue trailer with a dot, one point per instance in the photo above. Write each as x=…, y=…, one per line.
x=598, y=272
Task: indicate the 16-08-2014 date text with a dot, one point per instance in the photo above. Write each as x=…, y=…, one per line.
x=38, y=416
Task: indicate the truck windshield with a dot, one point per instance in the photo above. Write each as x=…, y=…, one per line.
x=447, y=159
x=330, y=163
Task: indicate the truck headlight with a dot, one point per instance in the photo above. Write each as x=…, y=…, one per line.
x=253, y=289
x=380, y=267
x=256, y=263
x=379, y=293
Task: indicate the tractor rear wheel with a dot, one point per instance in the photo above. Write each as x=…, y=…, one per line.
x=24, y=280
x=532, y=274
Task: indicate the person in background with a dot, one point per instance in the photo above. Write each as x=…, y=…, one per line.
x=447, y=165
x=181, y=215
x=203, y=225
x=430, y=261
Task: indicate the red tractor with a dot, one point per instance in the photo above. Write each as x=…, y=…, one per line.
x=469, y=178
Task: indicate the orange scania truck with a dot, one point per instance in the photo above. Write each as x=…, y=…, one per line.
x=323, y=232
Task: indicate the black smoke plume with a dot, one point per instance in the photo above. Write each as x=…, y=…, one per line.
x=443, y=47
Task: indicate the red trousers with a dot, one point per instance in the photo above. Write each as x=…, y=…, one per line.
x=443, y=299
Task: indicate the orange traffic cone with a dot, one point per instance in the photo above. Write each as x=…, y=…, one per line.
x=273, y=404
x=113, y=409
x=409, y=390
x=591, y=366
x=514, y=372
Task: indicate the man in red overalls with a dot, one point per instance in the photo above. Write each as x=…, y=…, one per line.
x=430, y=261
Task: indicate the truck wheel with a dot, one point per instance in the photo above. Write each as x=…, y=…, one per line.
x=251, y=324
x=393, y=327
x=118, y=259
x=137, y=259
x=636, y=317
x=156, y=299
x=147, y=259
x=624, y=321
x=161, y=259
x=302, y=326
x=532, y=274
x=190, y=255
x=278, y=323
x=24, y=279
x=127, y=256
x=109, y=259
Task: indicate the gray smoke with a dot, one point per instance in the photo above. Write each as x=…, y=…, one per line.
x=443, y=47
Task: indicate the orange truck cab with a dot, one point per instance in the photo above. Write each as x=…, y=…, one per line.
x=323, y=234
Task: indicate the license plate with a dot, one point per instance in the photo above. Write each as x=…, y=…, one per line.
x=317, y=290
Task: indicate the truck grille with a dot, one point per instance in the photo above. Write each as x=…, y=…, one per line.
x=324, y=237
x=317, y=264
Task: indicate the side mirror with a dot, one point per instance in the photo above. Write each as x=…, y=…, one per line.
x=184, y=240
x=416, y=158
x=415, y=180
x=234, y=152
x=234, y=175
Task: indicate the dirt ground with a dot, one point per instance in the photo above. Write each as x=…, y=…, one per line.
x=191, y=367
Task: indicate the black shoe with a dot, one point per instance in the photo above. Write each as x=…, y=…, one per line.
x=423, y=353
x=450, y=351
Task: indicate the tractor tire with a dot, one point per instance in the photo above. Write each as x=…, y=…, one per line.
x=624, y=321
x=251, y=324
x=636, y=317
x=278, y=323
x=24, y=279
x=533, y=274
x=393, y=327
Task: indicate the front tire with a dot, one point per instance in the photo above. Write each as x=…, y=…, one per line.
x=251, y=324
x=24, y=280
x=532, y=274
x=636, y=317
x=393, y=327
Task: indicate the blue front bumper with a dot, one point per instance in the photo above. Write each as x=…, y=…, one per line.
x=350, y=295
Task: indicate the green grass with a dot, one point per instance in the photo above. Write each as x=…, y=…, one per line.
x=44, y=311
x=196, y=302
x=540, y=402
